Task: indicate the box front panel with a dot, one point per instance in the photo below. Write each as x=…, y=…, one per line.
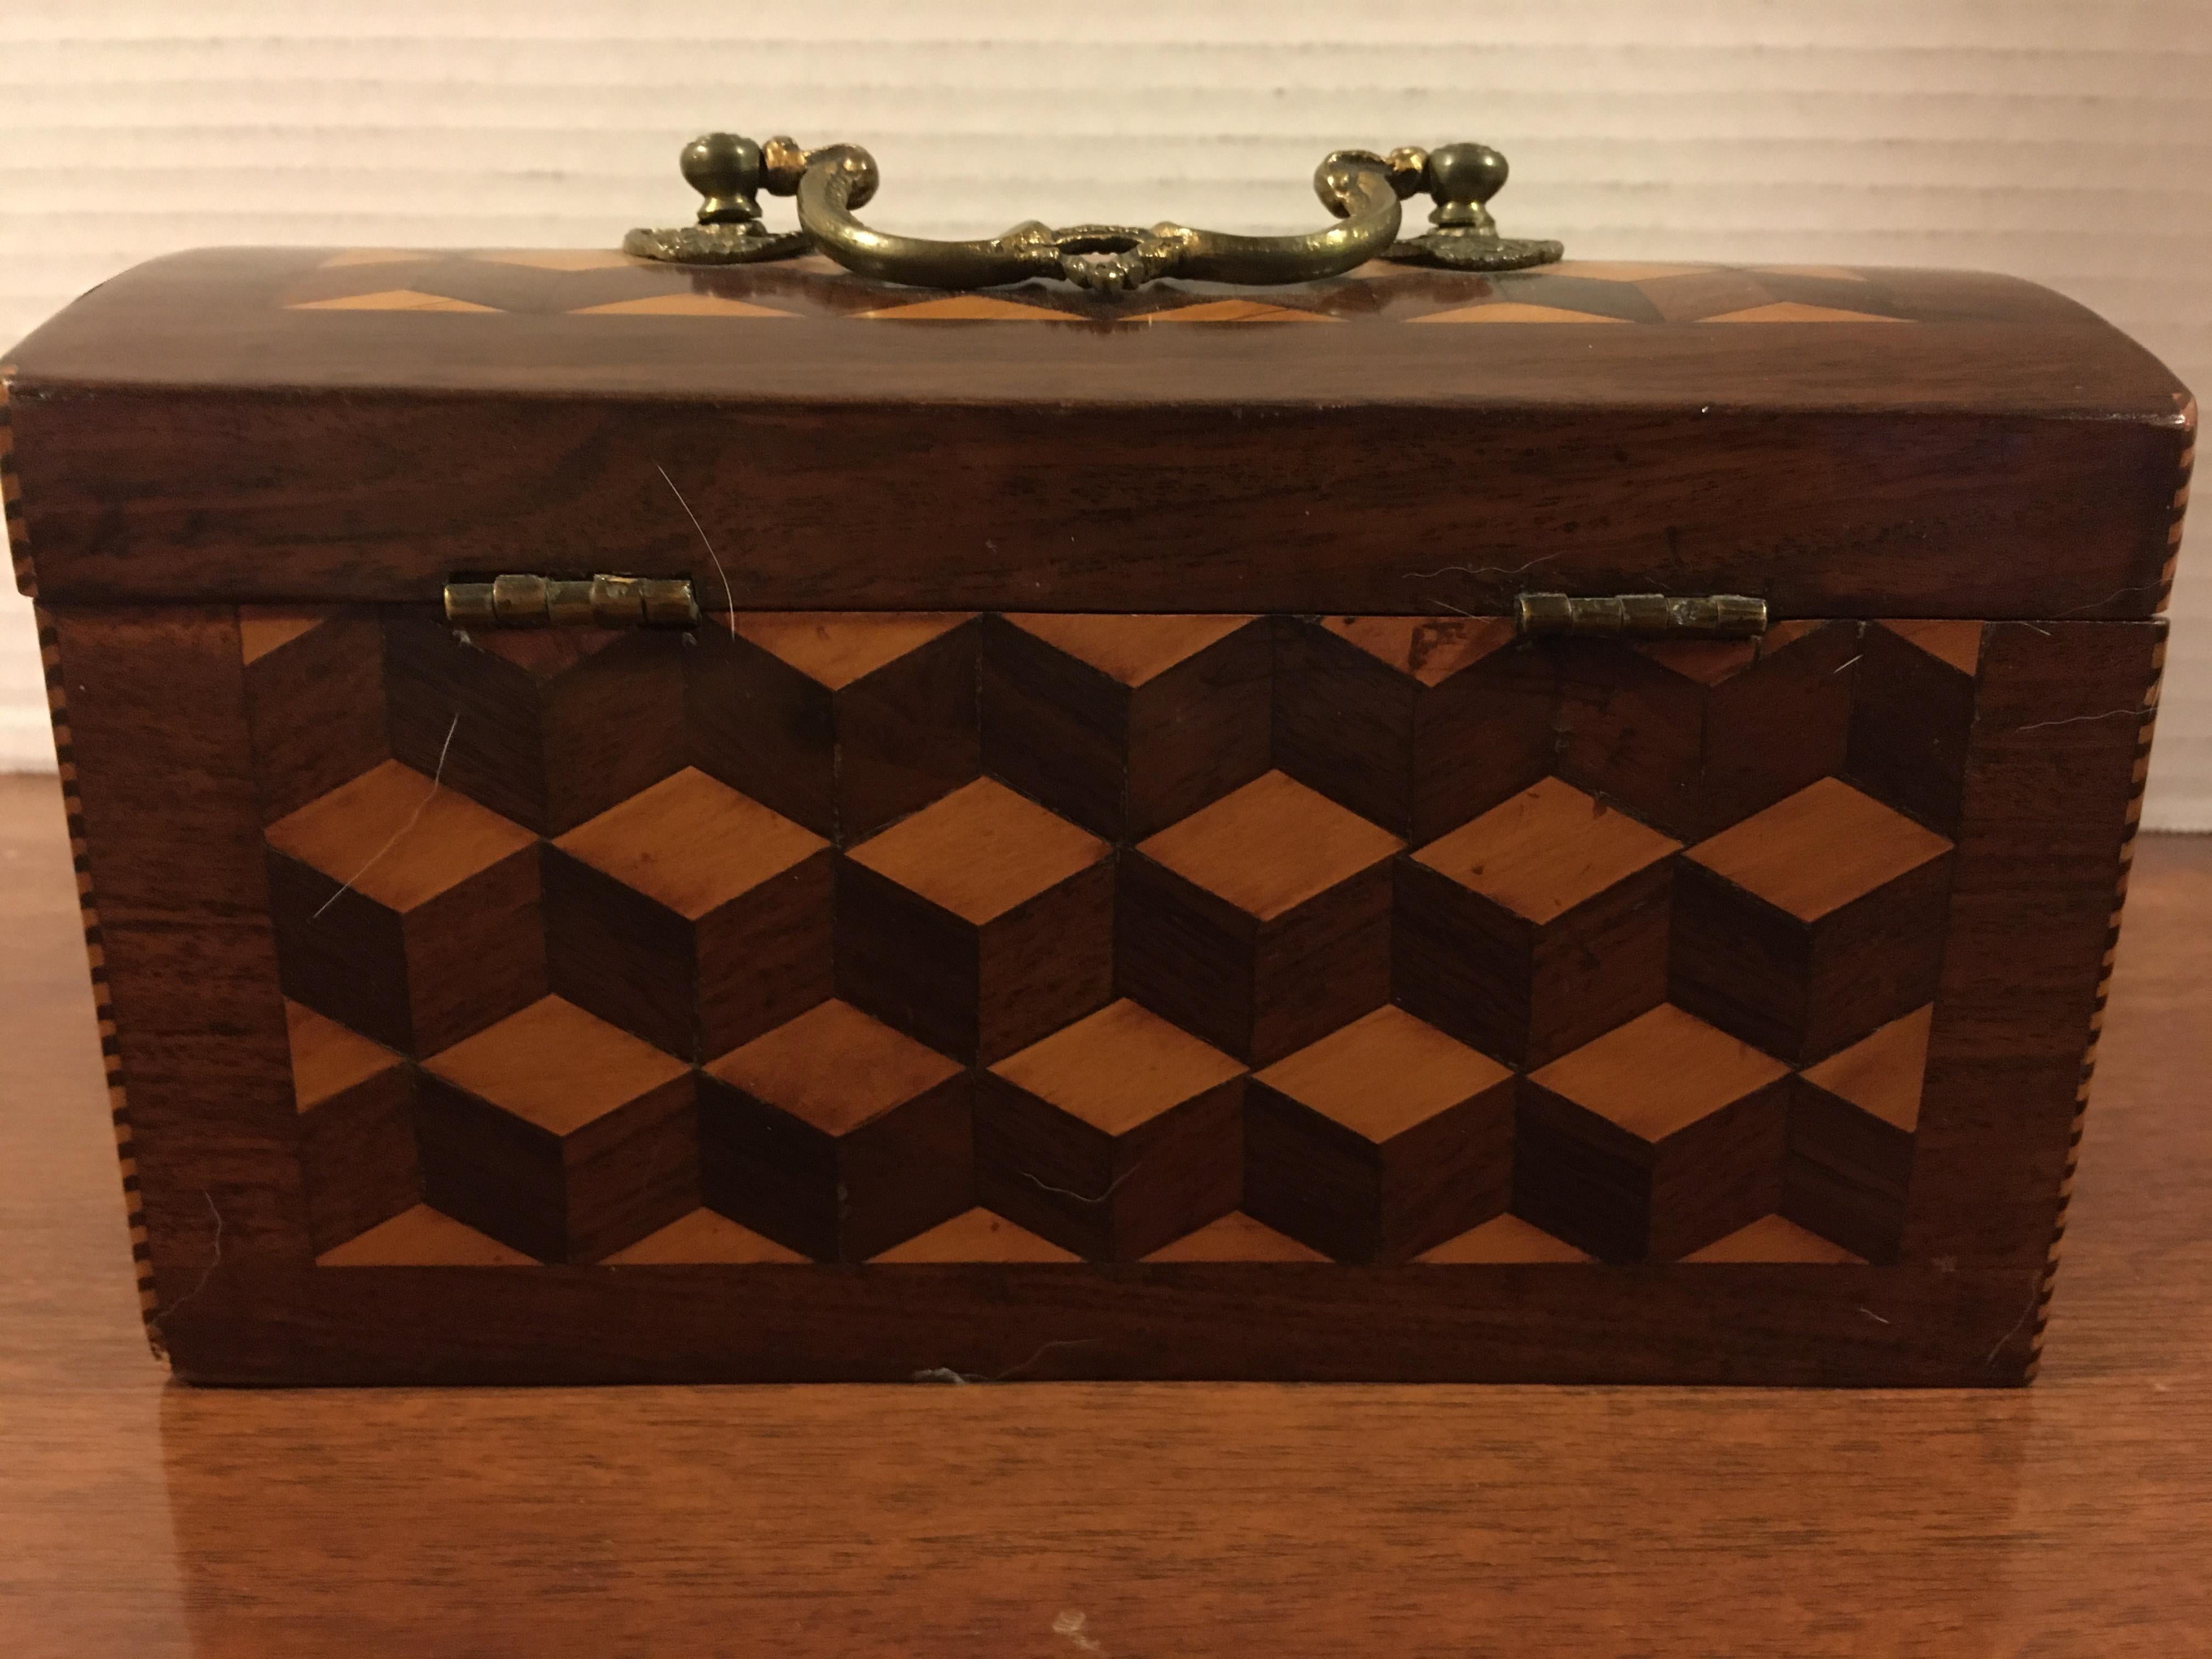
x=899, y=993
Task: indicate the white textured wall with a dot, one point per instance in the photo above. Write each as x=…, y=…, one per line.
x=2064, y=142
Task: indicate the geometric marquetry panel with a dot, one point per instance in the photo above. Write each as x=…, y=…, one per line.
x=407, y=911
x=1810, y=925
x=923, y=938
x=1126, y=725
x=977, y=924
x=356, y=1100
x=1114, y=1136
x=835, y=1135
x=1657, y=1140
x=690, y=914
x=1381, y=1141
x=1536, y=926
x=558, y=1135
x=1852, y=1119
x=1261, y=922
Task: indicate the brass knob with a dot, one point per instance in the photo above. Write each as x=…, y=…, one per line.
x=725, y=169
x=1461, y=178
x=728, y=171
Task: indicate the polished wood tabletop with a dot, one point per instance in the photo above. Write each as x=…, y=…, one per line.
x=143, y=1518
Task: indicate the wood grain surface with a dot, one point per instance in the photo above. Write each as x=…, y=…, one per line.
x=209, y=426
x=138, y=1516
x=1955, y=1218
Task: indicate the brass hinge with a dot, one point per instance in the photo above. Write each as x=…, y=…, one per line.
x=1642, y=615
x=579, y=602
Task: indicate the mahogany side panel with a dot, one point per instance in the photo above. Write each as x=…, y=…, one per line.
x=2052, y=781
x=173, y=837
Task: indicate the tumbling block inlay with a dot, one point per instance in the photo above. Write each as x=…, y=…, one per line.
x=263, y=628
x=1616, y=270
x=972, y=308
x=1415, y=723
x=1113, y=1137
x=1882, y=1075
x=421, y=1237
x=977, y=1235
x=1536, y=928
x=703, y=1235
x=390, y=299
x=1125, y=723
x=1955, y=643
x=1807, y=926
x=1829, y=273
x=375, y=256
x=1261, y=922
x=356, y=1101
x=1513, y=311
x=1427, y=649
x=558, y=1135
x=1914, y=716
x=1772, y=1238
x=1234, y=311
x=602, y=282
x=1235, y=1237
x=1693, y=295
x=835, y=1135
x=1694, y=735
x=956, y=916
x=1852, y=1119
x=840, y=721
x=691, y=915
x=1380, y=1141
x=546, y=726
x=1795, y=311
x=314, y=699
x=679, y=305
x=1651, y=1142
x=978, y=925
x=560, y=259
x=405, y=911
x=1500, y=1239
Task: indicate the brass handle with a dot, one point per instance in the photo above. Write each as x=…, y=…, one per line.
x=1362, y=190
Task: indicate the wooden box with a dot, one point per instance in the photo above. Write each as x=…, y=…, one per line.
x=1105, y=889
